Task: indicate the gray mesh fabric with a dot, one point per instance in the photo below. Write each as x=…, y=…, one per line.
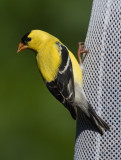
x=102, y=83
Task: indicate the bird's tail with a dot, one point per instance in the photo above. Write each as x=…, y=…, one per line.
x=82, y=103
x=92, y=115
x=101, y=124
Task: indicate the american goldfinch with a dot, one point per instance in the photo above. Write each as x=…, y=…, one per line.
x=61, y=73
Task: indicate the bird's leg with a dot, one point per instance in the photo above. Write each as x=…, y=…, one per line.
x=80, y=51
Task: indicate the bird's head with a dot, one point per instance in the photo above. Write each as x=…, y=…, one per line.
x=33, y=40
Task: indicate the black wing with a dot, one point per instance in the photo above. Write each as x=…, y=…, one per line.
x=63, y=85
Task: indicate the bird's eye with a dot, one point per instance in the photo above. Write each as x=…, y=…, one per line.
x=25, y=38
x=28, y=39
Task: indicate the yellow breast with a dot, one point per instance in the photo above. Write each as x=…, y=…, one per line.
x=48, y=60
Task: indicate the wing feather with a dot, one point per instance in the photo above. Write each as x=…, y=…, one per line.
x=63, y=85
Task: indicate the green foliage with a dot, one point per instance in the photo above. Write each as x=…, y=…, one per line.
x=33, y=125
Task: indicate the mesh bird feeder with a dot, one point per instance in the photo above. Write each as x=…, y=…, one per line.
x=102, y=84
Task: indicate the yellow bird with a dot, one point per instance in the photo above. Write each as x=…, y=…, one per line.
x=61, y=72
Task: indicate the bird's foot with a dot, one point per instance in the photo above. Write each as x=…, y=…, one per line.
x=80, y=51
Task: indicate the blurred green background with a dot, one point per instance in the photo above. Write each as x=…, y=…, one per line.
x=33, y=125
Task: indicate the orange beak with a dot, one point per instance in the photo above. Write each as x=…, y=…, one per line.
x=21, y=47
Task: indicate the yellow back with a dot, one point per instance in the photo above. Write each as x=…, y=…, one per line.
x=76, y=69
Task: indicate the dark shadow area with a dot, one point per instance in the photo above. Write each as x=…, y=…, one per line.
x=84, y=123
